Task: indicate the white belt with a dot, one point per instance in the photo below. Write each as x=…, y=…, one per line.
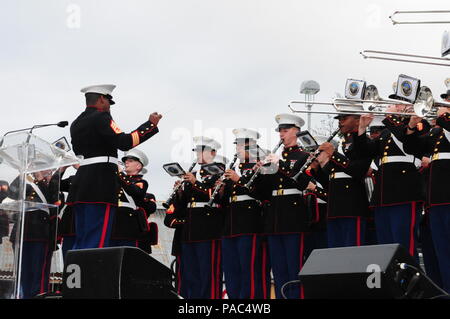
x=240, y=198
x=200, y=205
x=125, y=204
x=40, y=195
x=340, y=175
x=321, y=201
x=439, y=156
x=130, y=201
x=398, y=159
x=99, y=159
x=289, y=191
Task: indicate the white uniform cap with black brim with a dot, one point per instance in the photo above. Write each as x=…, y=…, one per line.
x=137, y=155
x=203, y=142
x=288, y=120
x=103, y=89
x=244, y=135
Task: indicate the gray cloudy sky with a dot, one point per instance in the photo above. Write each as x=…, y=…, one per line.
x=209, y=66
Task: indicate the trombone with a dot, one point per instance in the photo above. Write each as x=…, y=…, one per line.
x=390, y=56
x=358, y=111
x=423, y=107
x=343, y=106
x=394, y=22
x=413, y=58
x=371, y=97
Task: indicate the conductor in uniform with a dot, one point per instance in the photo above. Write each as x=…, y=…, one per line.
x=97, y=138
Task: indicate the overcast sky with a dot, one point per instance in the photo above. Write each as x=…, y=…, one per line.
x=208, y=66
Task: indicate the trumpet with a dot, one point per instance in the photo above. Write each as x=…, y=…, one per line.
x=222, y=178
x=175, y=190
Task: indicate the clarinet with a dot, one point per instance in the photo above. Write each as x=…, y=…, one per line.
x=170, y=200
x=314, y=156
x=216, y=190
x=258, y=170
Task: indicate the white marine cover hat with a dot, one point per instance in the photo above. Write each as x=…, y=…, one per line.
x=288, y=120
x=104, y=89
x=137, y=155
x=201, y=142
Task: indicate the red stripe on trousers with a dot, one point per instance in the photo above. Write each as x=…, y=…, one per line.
x=218, y=294
x=42, y=290
x=358, y=231
x=252, y=269
x=105, y=226
x=264, y=250
x=212, y=269
x=317, y=211
x=413, y=222
x=179, y=274
x=302, y=296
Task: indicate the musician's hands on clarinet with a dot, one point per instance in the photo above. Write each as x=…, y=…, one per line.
x=311, y=187
x=326, y=151
x=231, y=175
x=272, y=158
x=327, y=148
x=314, y=165
x=177, y=183
x=258, y=165
x=189, y=177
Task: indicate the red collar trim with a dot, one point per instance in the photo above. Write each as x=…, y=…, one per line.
x=94, y=107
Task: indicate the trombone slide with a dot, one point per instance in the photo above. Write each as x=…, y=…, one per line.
x=394, y=22
x=372, y=54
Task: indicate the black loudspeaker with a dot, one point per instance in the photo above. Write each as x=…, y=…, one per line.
x=364, y=272
x=115, y=273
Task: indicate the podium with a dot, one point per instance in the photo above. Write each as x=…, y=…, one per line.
x=26, y=163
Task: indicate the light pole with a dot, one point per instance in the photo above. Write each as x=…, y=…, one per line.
x=309, y=88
